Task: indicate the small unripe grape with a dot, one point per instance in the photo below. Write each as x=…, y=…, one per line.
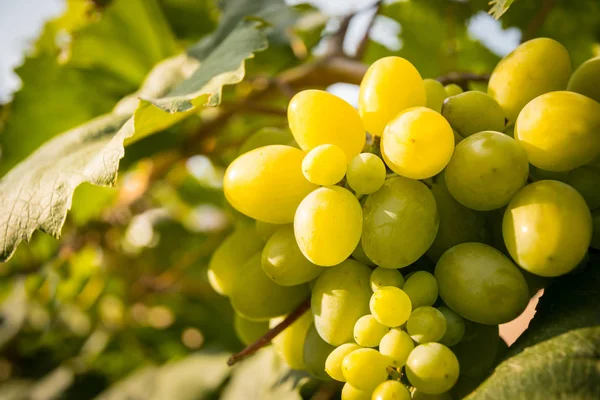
x=453, y=89
x=455, y=327
x=366, y=173
x=386, y=277
x=586, y=79
x=368, y=332
x=396, y=345
x=435, y=94
x=325, y=165
x=422, y=289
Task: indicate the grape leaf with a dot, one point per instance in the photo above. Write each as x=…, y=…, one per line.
x=499, y=7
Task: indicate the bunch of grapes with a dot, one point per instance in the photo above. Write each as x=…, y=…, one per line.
x=417, y=223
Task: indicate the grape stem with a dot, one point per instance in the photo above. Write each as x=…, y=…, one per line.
x=271, y=333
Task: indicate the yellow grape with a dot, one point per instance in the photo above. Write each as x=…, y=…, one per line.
x=366, y=173
x=267, y=183
x=390, y=85
x=390, y=306
x=536, y=67
x=325, y=165
x=249, y=331
x=368, y=331
x=418, y=143
x=432, y=368
x=317, y=117
x=434, y=94
x=453, y=89
x=586, y=79
x=289, y=344
x=560, y=131
x=386, y=277
x=396, y=345
x=365, y=369
x=547, y=228
x=328, y=225
x=391, y=390
x=333, y=364
x=349, y=392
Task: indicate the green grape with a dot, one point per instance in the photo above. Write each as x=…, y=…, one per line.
x=455, y=327
x=390, y=306
x=585, y=180
x=365, y=369
x=481, y=284
x=471, y=112
x=396, y=345
x=418, y=395
x=390, y=85
x=333, y=364
x=596, y=226
x=228, y=259
x=458, y=224
x=453, y=90
x=547, y=228
x=316, y=351
x=366, y=173
x=328, y=225
x=317, y=117
x=255, y=296
x=518, y=78
x=349, y=392
x=476, y=352
x=432, y=368
x=267, y=183
x=400, y=223
x=390, y=390
x=266, y=137
x=368, y=332
x=435, y=94
x=289, y=344
x=386, y=277
x=426, y=324
x=417, y=143
x=559, y=130
x=340, y=297
x=359, y=255
x=585, y=79
x=249, y=331
x=422, y=289
x=325, y=165
x=265, y=230
x=283, y=261
x=486, y=170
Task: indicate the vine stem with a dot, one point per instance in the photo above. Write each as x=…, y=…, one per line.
x=267, y=337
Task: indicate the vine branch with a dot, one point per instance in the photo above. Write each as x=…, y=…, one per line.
x=460, y=78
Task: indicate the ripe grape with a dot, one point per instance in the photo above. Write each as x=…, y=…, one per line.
x=417, y=143
x=426, y=324
x=328, y=225
x=455, y=327
x=340, y=297
x=386, y=277
x=432, y=368
x=349, y=392
x=266, y=137
x=486, y=170
x=390, y=85
x=316, y=351
x=471, y=112
x=518, y=78
x=249, y=331
x=368, y=332
x=390, y=390
x=333, y=364
x=265, y=230
x=422, y=289
x=547, y=228
x=585, y=79
x=396, y=345
x=325, y=165
x=477, y=350
x=453, y=90
x=317, y=117
x=267, y=183
x=390, y=306
x=481, y=284
x=559, y=130
x=365, y=369
x=366, y=173
x=289, y=344
x=283, y=261
x=400, y=223
x=434, y=94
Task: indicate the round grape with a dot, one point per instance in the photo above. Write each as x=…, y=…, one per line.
x=366, y=173
x=333, y=364
x=422, y=288
x=455, y=327
x=386, y=277
x=426, y=324
x=368, y=332
x=325, y=165
x=432, y=368
x=390, y=306
x=390, y=390
x=365, y=369
x=396, y=345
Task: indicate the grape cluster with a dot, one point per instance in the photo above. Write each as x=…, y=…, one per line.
x=477, y=197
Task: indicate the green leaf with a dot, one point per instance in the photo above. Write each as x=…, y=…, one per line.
x=191, y=19
x=499, y=7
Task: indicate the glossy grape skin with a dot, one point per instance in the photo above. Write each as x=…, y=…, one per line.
x=340, y=297
x=473, y=111
x=417, y=143
x=289, y=344
x=426, y=324
x=486, y=170
x=249, y=331
x=328, y=225
x=477, y=350
x=386, y=277
x=365, y=369
x=518, y=78
x=481, y=284
x=390, y=390
x=316, y=351
x=453, y=89
x=255, y=296
x=559, y=130
x=366, y=173
x=390, y=85
x=596, y=227
x=333, y=364
x=325, y=165
x=432, y=368
x=317, y=117
x=230, y=256
x=359, y=255
x=283, y=261
x=368, y=332
x=455, y=327
x=586, y=79
x=422, y=289
x=266, y=137
x=547, y=228
x=267, y=183
x=390, y=306
x=349, y=392
x=396, y=345
x=434, y=94
x=400, y=223
x=265, y=230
